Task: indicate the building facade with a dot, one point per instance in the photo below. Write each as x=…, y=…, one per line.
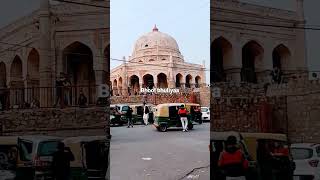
x=156, y=61
x=63, y=38
x=249, y=41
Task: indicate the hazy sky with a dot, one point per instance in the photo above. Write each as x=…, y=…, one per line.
x=188, y=21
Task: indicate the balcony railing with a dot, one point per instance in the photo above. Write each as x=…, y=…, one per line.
x=48, y=97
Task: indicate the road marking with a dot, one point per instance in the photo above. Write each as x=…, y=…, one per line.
x=146, y=159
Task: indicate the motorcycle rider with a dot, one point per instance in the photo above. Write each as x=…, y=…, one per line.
x=232, y=160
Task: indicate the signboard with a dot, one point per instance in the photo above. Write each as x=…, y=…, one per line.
x=216, y=92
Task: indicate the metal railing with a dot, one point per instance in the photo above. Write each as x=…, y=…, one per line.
x=48, y=97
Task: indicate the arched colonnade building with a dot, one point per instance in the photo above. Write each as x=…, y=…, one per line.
x=54, y=40
x=249, y=41
x=156, y=61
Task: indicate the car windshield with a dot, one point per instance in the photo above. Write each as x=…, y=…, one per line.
x=301, y=153
x=8, y=157
x=125, y=108
x=204, y=109
x=47, y=148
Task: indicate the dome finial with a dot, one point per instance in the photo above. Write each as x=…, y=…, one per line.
x=155, y=28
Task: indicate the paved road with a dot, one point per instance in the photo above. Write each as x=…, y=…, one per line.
x=142, y=153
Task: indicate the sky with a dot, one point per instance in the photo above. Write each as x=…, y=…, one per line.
x=188, y=21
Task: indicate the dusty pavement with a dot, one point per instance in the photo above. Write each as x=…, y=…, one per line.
x=142, y=153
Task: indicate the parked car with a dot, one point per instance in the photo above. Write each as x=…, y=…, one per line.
x=306, y=157
x=205, y=113
x=117, y=114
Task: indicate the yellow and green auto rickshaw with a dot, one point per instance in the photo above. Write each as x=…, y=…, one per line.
x=166, y=116
x=264, y=143
x=27, y=157
x=9, y=157
x=195, y=112
x=138, y=111
x=91, y=157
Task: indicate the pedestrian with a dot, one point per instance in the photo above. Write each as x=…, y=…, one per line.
x=129, y=117
x=82, y=101
x=61, y=162
x=59, y=91
x=67, y=90
x=183, y=113
x=232, y=160
x=146, y=115
x=281, y=160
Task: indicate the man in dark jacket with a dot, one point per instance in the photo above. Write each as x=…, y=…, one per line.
x=61, y=163
x=129, y=117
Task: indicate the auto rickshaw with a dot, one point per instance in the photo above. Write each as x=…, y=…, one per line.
x=217, y=145
x=27, y=157
x=138, y=111
x=91, y=155
x=166, y=116
x=260, y=144
x=195, y=112
x=117, y=114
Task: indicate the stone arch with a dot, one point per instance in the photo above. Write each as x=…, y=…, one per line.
x=179, y=80
x=221, y=57
x=33, y=67
x=134, y=84
x=120, y=88
x=115, y=87
x=33, y=76
x=78, y=68
x=162, y=80
x=188, y=81
x=16, y=83
x=252, y=54
x=3, y=75
x=148, y=81
x=16, y=72
x=281, y=56
x=197, y=81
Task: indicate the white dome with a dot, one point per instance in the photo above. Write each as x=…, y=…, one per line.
x=156, y=39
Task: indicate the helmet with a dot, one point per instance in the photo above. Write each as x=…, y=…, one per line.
x=231, y=140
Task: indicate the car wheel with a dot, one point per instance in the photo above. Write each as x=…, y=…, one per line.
x=190, y=126
x=163, y=128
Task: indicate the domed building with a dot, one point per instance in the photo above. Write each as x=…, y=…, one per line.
x=156, y=61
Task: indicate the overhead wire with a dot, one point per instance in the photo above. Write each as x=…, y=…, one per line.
x=81, y=3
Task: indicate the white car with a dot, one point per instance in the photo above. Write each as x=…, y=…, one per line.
x=205, y=114
x=306, y=157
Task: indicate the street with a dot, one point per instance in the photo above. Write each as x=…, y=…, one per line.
x=143, y=153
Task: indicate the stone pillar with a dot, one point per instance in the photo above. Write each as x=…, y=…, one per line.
x=155, y=81
x=45, y=66
x=233, y=69
x=171, y=84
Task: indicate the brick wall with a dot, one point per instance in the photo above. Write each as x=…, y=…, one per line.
x=62, y=122
x=158, y=98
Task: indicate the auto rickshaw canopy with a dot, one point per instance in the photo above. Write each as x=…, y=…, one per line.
x=251, y=140
x=76, y=146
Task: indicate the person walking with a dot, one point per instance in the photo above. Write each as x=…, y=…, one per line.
x=146, y=115
x=129, y=117
x=183, y=113
x=232, y=161
x=61, y=162
x=82, y=101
